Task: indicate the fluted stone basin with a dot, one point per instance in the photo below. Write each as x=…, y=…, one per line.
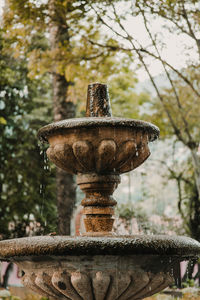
x=99, y=145
x=96, y=268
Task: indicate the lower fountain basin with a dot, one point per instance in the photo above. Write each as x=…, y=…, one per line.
x=93, y=268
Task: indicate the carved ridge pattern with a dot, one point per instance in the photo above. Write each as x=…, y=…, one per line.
x=130, y=285
x=108, y=156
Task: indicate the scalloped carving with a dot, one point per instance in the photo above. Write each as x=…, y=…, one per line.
x=83, y=151
x=119, y=285
x=141, y=153
x=106, y=157
x=43, y=281
x=125, y=153
x=137, y=283
x=101, y=282
x=62, y=156
x=51, y=155
x=82, y=284
x=29, y=281
x=62, y=282
x=97, y=285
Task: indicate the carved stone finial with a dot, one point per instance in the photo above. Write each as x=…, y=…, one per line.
x=98, y=101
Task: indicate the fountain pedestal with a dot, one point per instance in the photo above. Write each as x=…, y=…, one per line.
x=98, y=202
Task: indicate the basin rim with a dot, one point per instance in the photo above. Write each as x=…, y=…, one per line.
x=116, y=245
x=95, y=122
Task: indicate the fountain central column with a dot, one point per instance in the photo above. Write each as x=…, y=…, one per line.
x=98, y=187
x=98, y=202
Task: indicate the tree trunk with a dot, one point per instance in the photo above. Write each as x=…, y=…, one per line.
x=66, y=188
x=196, y=164
x=63, y=108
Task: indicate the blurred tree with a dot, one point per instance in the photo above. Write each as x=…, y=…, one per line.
x=23, y=209
x=188, y=202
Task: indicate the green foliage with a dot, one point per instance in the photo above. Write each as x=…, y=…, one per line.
x=77, y=56
x=23, y=210
x=189, y=203
x=189, y=103
x=188, y=283
x=26, y=297
x=31, y=25
x=125, y=211
x=128, y=211
x=125, y=101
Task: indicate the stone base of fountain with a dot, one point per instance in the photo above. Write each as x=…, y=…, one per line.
x=98, y=277
x=93, y=268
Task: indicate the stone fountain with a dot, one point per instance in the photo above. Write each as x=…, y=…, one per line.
x=98, y=265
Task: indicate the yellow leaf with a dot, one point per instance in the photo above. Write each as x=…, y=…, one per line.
x=3, y=121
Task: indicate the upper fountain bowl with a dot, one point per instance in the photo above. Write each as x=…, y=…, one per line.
x=99, y=143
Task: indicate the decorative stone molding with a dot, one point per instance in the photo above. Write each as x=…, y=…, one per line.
x=95, y=283
x=105, y=156
x=100, y=286
x=98, y=202
x=108, y=268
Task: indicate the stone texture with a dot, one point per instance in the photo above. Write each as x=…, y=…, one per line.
x=101, y=151
x=55, y=246
x=98, y=102
x=97, y=122
x=98, y=277
x=98, y=202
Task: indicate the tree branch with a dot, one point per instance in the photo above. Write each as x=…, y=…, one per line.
x=189, y=83
x=131, y=40
x=179, y=105
x=192, y=34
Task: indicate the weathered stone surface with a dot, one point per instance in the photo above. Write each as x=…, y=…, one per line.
x=98, y=102
x=101, y=152
x=98, y=152
x=98, y=122
x=98, y=277
x=98, y=202
x=123, y=245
